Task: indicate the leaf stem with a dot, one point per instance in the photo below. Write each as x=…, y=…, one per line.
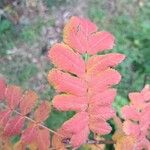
x=32, y=120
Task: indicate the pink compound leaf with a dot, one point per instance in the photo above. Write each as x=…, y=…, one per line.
x=84, y=85
x=136, y=115
x=15, y=107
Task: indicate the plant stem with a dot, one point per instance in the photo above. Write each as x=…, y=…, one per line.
x=32, y=120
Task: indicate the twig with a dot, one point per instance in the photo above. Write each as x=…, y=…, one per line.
x=101, y=142
x=30, y=119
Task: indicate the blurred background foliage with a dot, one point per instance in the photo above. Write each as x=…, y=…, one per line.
x=28, y=29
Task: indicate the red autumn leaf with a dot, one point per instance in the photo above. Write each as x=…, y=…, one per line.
x=2, y=89
x=64, y=82
x=80, y=34
x=13, y=95
x=43, y=139
x=27, y=102
x=136, y=117
x=99, y=126
x=104, y=98
x=76, y=32
x=61, y=52
x=84, y=86
x=4, y=117
x=71, y=125
x=37, y=136
x=29, y=135
x=104, y=80
x=104, y=112
x=65, y=102
x=80, y=137
x=42, y=112
x=14, y=126
x=98, y=63
x=130, y=112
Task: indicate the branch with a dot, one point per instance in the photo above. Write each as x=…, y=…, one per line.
x=32, y=120
x=101, y=142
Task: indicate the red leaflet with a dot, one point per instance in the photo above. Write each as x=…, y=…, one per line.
x=36, y=136
x=131, y=128
x=13, y=95
x=29, y=135
x=4, y=117
x=86, y=83
x=81, y=35
x=130, y=112
x=104, y=98
x=67, y=83
x=42, y=112
x=80, y=137
x=43, y=139
x=76, y=32
x=99, y=126
x=104, y=112
x=77, y=123
x=65, y=102
x=2, y=89
x=100, y=41
x=104, y=80
x=136, y=115
x=27, y=102
x=61, y=52
x=98, y=63
x=14, y=126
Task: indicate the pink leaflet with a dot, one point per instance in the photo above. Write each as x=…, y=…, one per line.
x=98, y=63
x=42, y=112
x=137, y=100
x=99, y=126
x=100, y=41
x=64, y=82
x=66, y=102
x=76, y=123
x=103, y=112
x=130, y=112
x=81, y=35
x=143, y=144
x=104, y=80
x=14, y=126
x=27, y=102
x=76, y=32
x=66, y=59
x=131, y=128
x=29, y=135
x=13, y=95
x=2, y=89
x=4, y=117
x=103, y=98
x=80, y=137
x=43, y=139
